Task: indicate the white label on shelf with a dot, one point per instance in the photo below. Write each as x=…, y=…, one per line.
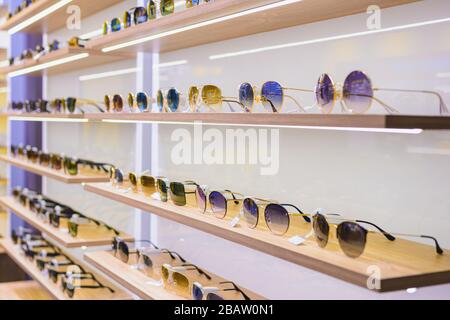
x=156, y=196
x=235, y=221
x=297, y=240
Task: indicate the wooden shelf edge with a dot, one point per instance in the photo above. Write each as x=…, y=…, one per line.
x=54, y=289
x=53, y=174
x=108, y=265
x=64, y=239
x=23, y=290
x=274, y=246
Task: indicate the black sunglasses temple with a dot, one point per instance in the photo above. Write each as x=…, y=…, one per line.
x=236, y=288
x=198, y=269
x=304, y=216
x=174, y=255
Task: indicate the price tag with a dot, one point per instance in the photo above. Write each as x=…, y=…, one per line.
x=235, y=221
x=156, y=196
x=297, y=240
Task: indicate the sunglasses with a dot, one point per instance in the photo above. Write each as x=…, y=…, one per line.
x=61, y=260
x=123, y=251
x=221, y=203
x=175, y=278
x=277, y=218
x=136, y=15
x=351, y=236
x=116, y=105
x=24, y=234
x=182, y=193
x=72, y=104
x=144, y=183
x=357, y=94
x=169, y=100
x=76, y=42
x=77, y=220
x=73, y=282
x=199, y=292
x=211, y=96
x=140, y=102
x=58, y=270
x=272, y=96
x=72, y=165
x=152, y=260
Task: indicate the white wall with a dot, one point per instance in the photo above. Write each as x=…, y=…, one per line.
x=399, y=181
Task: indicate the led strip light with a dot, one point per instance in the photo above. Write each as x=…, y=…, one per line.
x=39, y=16
x=200, y=25
x=48, y=65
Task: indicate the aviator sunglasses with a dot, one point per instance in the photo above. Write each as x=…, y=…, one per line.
x=211, y=96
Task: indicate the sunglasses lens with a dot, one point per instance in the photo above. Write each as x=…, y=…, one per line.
x=197, y=292
x=162, y=189
x=44, y=159
x=133, y=179
x=71, y=102
x=151, y=9
x=147, y=261
x=212, y=96
x=123, y=252
x=200, y=196
x=73, y=228
x=140, y=15
x=71, y=166
x=56, y=162
x=357, y=92
x=325, y=93
x=148, y=185
x=107, y=102
x=251, y=212
x=160, y=101
x=165, y=273
x=127, y=19
x=272, y=96
x=181, y=283
x=115, y=25
x=130, y=100
x=173, y=99
x=218, y=204
x=167, y=7
x=246, y=95
x=277, y=219
x=214, y=296
x=117, y=103
x=142, y=101
x=193, y=97
x=178, y=193
x=321, y=230
x=352, y=238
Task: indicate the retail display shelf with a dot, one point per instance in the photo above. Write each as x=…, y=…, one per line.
x=299, y=120
x=285, y=120
x=87, y=238
x=83, y=176
x=23, y=290
x=55, y=289
x=138, y=283
x=63, y=60
x=228, y=19
x=402, y=264
x=55, y=19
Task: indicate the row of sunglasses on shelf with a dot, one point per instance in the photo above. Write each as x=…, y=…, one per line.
x=174, y=272
x=356, y=97
x=22, y=5
x=40, y=50
x=70, y=165
x=59, y=268
x=142, y=14
x=281, y=219
x=68, y=105
x=59, y=215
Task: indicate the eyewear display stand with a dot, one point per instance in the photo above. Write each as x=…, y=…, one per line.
x=83, y=176
x=261, y=20
x=140, y=284
x=23, y=290
x=398, y=265
x=55, y=289
x=89, y=238
x=57, y=18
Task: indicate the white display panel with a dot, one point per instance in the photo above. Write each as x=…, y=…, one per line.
x=399, y=181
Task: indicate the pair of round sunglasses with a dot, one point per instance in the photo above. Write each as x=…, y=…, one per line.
x=211, y=96
x=222, y=203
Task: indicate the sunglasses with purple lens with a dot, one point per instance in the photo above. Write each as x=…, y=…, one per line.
x=357, y=94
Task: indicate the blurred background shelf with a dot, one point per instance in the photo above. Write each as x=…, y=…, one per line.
x=85, y=176
x=56, y=19
x=23, y=290
x=94, y=237
x=293, y=14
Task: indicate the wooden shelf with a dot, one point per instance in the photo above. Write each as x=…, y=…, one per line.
x=294, y=14
x=55, y=289
x=403, y=264
x=95, y=237
x=93, y=59
x=286, y=120
x=86, y=176
x=44, y=116
x=23, y=290
x=137, y=282
x=58, y=18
